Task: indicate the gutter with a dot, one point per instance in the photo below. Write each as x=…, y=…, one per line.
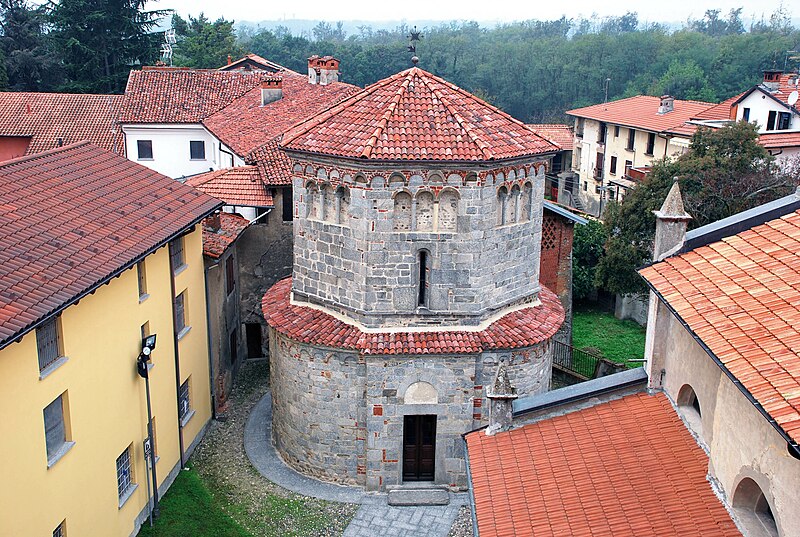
x=209, y=340
x=794, y=445
x=115, y=274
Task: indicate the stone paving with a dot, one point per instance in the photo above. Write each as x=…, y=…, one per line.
x=375, y=518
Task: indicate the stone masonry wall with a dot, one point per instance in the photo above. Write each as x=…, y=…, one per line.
x=339, y=417
x=368, y=267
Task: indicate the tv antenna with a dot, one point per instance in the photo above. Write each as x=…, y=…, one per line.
x=166, y=46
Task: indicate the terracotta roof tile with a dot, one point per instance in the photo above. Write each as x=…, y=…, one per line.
x=641, y=112
x=216, y=241
x=626, y=468
x=560, y=135
x=273, y=163
x=48, y=117
x=235, y=186
x=178, y=95
x=74, y=217
x=777, y=140
x=245, y=125
x=254, y=59
x=741, y=296
x=523, y=328
x=415, y=115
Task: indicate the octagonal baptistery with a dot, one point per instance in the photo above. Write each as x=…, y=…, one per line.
x=417, y=227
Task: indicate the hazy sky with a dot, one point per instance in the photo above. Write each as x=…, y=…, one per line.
x=498, y=10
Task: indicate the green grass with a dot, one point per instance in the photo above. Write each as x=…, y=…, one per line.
x=188, y=508
x=617, y=340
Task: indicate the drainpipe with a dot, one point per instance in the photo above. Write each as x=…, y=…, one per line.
x=209, y=339
x=227, y=153
x=177, y=362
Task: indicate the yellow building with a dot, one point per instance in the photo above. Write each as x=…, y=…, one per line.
x=96, y=252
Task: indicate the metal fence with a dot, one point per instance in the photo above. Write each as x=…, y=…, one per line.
x=575, y=361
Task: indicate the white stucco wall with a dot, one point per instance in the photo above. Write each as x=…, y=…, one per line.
x=760, y=106
x=171, y=154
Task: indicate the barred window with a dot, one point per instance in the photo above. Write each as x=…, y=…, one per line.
x=176, y=257
x=61, y=529
x=47, y=343
x=184, y=402
x=230, y=275
x=180, y=312
x=124, y=475
x=54, y=431
x=142, y=278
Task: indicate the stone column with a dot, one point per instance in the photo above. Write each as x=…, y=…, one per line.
x=501, y=395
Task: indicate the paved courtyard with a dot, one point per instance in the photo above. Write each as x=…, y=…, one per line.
x=376, y=518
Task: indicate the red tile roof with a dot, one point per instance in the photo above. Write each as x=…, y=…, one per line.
x=777, y=140
x=741, y=297
x=46, y=117
x=254, y=59
x=244, y=125
x=73, y=218
x=641, y=112
x=178, y=95
x=216, y=241
x=235, y=186
x=523, y=328
x=415, y=115
x=626, y=468
x=273, y=163
x=561, y=135
x=784, y=89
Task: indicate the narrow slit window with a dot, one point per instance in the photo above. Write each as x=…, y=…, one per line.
x=424, y=274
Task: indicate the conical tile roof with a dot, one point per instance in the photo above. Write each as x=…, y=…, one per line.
x=415, y=116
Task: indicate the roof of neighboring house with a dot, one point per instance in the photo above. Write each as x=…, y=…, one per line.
x=415, y=116
x=244, y=125
x=624, y=468
x=561, y=135
x=741, y=297
x=179, y=95
x=274, y=164
x=567, y=212
x=48, y=117
x=521, y=328
x=641, y=112
x=780, y=139
x=73, y=218
x=253, y=59
x=235, y=186
x=216, y=241
x=787, y=83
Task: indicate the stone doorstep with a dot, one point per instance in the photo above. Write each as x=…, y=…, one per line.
x=408, y=495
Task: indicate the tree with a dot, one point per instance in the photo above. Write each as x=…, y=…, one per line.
x=725, y=171
x=101, y=40
x=587, y=249
x=29, y=62
x=684, y=80
x=203, y=44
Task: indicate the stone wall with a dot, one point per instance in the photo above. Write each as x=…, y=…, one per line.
x=369, y=267
x=339, y=416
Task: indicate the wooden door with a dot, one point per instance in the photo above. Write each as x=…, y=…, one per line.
x=419, y=448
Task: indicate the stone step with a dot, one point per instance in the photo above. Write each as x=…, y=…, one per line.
x=418, y=495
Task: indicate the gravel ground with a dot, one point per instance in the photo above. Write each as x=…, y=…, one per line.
x=462, y=527
x=260, y=506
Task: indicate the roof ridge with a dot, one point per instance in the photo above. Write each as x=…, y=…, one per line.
x=398, y=96
x=46, y=153
x=482, y=146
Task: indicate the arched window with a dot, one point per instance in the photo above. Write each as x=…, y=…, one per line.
x=423, y=277
x=753, y=509
x=513, y=205
x=329, y=204
x=402, y=212
x=448, y=210
x=312, y=201
x=424, y=211
x=342, y=204
x=689, y=406
x=527, y=202
x=502, y=206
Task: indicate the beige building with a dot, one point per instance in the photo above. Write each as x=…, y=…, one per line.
x=723, y=344
x=611, y=138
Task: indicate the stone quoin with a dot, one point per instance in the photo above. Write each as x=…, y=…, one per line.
x=417, y=232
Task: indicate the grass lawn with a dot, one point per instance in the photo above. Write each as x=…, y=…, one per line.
x=617, y=340
x=189, y=509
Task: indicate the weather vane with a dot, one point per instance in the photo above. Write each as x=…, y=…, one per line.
x=413, y=38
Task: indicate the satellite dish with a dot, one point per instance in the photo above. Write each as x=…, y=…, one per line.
x=792, y=98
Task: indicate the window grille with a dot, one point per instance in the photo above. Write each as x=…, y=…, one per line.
x=183, y=401
x=54, y=432
x=61, y=530
x=124, y=477
x=180, y=312
x=176, y=257
x=47, y=343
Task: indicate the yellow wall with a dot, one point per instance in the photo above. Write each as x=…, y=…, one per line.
x=106, y=403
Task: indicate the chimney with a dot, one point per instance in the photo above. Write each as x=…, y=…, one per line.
x=671, y=221
x=230, y=60
x=772, y=79
x=271, y=89
x=667, y=104
x=501, y=395
x=323, y=71
x=213, y=222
